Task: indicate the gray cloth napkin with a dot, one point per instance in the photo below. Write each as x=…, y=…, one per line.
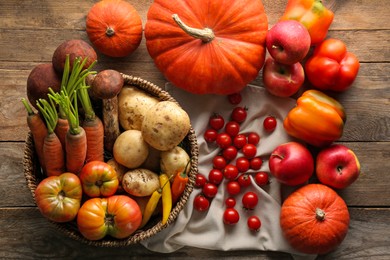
x=206, y=229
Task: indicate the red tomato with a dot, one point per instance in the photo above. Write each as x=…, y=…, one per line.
x=231, y=216
x=210, y=135
x=230, y=153
x=230, y=172
x=233, y=187
x=235, y=98
x=256, y=163
x=249, y=151
x=118, y=216
x=239, y=141
x=269, y=123
x=253, y=138
x=232, y=128
x=254, y=223
x=58, y=197
x=244, y=180
x=261, y=178
x=219, y=162
x=201, y=203
x=230, y=202
x=200, y=180
x=242, y=164
x=250, y=200
x=210, y=190
x=216, y=122
x=98, y=179
x=224, y=140
x=215, y=176
x=239, y=114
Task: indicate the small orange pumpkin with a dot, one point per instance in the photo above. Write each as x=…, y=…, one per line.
x=114, y=27
x=314, y=219
x=207, y=46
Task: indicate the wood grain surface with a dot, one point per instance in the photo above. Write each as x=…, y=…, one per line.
x=31, y=30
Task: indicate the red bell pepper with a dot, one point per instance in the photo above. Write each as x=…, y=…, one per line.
x=332, y=67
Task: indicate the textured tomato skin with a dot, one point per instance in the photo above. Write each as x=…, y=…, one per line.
x=58, y=197
x=118, y=216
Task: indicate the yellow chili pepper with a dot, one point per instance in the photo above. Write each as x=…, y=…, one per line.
x=166, y=197
x=151, y=206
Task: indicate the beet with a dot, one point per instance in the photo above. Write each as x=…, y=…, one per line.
x=75, y=48
x=41, y=77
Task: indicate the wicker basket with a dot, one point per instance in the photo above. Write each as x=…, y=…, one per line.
x=34, y=175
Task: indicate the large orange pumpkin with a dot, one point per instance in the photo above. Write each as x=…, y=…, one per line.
x=114, y=27
x=207, y=46
x=314, y=219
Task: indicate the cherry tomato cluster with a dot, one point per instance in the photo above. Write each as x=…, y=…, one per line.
x=235, y=163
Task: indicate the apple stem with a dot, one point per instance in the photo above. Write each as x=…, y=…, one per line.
x=206, y=34
x=320, y=214
x=277, y=155
x=339, y=169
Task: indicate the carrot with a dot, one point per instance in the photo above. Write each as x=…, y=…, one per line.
x=61, y=130
x=53, y=152
x=38, y=131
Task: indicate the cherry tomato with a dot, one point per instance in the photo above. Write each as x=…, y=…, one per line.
x=230, y=202
x=261, y=178
x=224, y=140
x=244, y=180
x=249, y=151
x=219, y=162
x=200, y=180
x=230, y=172
x=253, y=138
x=269, y=123
x=216, y=122
x=233, y=187
x=250, y=200
x=239, y=114
x=215, y=176
x=201, y=203
x=210, y=135
x=235, y=98
x=231, y=216
x=230, y=153
x=232, y=128
x=239, y=141
x=254, y=223
x=242, y=164
x=210, y=190
x=256, y=163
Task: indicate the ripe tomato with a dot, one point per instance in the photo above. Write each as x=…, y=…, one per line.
x=232, y=128
x=230, y=172
x=219, y=162
x=231, y=216
x=249, y=151
x=235, y=98
x=261, y=178
x=58, y=197
x=118, y=216
x=200, y=180
x=201, y=203
x=256, y=163
x=239, y=141
x=210, y=190
x=244, y=180
x=250, y=200
x=233, y=187
x=239, y=114
x=224, y=140
x=253, y=138
x=215, y=176
x=98, y=179
x=230, y=153
x=269, y=123
x=254, y=223
x=230, y=202
x=210, y=135
x=242, y=164
x=216, y=122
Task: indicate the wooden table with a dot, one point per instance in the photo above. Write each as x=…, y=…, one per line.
x=31, y=30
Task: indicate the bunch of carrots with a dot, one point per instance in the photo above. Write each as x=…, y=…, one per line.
x=61, y=141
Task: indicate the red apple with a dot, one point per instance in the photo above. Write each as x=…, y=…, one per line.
x=337, y=166
x=291, y=163
x=282, y=80
x=288, y=42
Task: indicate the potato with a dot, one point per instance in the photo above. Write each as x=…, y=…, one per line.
x=165, y=125
x=120, y=172
x=153, y=161
x=130, y=149
x=140, y=182
x=133, y=105
x=174, y=161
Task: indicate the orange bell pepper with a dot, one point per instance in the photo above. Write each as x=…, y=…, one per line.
x=317, y=119
x=313, y=15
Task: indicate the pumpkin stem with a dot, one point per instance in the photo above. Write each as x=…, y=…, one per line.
x=110, y=31
x=206, y=34
x=320, y=214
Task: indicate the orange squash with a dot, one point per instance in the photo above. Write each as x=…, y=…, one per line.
x=207, y=46
x=314, y=219
x=114, y=27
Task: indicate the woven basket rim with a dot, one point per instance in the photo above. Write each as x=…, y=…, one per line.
x=30, y=166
